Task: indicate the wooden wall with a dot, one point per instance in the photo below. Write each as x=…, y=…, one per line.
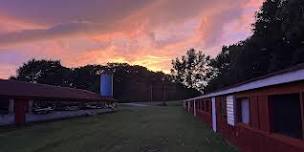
x=257, y=135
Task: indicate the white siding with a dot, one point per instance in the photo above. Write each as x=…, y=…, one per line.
x=7, y=119
x=230, y=110
x=30, y=117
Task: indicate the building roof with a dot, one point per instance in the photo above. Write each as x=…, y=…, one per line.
x=292, y=74
x=13, y=88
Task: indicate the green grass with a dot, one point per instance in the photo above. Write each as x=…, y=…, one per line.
x=156, y=129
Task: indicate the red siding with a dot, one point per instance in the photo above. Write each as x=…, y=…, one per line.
x=257, y=136
x=263, y=113
x=254, y=111
x=21, y=107
x=205, y=117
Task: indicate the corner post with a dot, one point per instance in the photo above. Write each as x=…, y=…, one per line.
x=194, y=107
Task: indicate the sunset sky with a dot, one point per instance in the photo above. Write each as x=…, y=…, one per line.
x=144, y=32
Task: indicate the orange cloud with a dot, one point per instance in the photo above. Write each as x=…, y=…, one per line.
x=253, y=3
x=13, y=24
x=150, y=35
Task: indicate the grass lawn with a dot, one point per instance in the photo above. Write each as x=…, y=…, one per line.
x=145, y=129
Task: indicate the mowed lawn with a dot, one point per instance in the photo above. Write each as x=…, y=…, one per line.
x=142, y=129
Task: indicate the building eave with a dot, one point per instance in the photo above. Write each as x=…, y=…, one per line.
x=274, y=79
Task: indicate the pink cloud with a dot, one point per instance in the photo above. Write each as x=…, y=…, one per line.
x=150, y=35
x=7, y=70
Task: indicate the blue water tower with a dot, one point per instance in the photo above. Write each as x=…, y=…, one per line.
x=106, y=84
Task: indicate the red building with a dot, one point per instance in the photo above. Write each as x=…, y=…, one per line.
x=262, y=115
x=22, y=102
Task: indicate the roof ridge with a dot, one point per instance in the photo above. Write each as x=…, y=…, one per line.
x=47, y=85
x=286, y=70
x=291, y=74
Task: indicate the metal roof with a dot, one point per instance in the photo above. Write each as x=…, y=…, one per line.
x=13, y=88
x=293, y=74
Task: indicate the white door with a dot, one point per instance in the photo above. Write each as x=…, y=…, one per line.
x=213, y=114
x=245, y=111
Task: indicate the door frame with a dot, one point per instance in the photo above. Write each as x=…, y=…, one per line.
x=213, y=114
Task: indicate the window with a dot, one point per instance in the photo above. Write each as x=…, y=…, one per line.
x=230, y=104
x=285, y=115
x=224, y=108
x=4, y=106
x=243, y=110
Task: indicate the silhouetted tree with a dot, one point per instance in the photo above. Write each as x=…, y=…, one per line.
x=131, y=82
x=277, y=42
x=44, y=71
x=86, y=77
x=192, y=69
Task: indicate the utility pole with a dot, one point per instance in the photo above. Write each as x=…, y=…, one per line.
x=151, y=93
x=163, y=90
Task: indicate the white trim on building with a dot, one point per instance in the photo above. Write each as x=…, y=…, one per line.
x=213, y=108
x=288, y=77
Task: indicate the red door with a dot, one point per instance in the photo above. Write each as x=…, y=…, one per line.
x=20, y=111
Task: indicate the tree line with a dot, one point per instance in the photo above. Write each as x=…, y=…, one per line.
x=277, y=42
x=131, y=82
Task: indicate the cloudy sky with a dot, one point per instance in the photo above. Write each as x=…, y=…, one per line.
x=143, y=32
